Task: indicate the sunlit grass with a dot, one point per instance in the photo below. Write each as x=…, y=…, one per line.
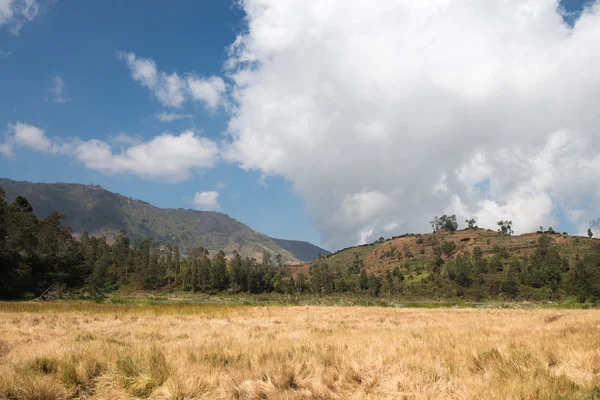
x=206, y=351
x=139, y=308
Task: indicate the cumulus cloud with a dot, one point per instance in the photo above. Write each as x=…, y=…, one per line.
x=58, y=92
x=166, y=158
x=28, y=136
x=170, y=117
x=172, y=90
x=209, y=91
x=16, y=13
x=206, y=201
x=392, y=113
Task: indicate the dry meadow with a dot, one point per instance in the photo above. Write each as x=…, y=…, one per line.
x=66, y=351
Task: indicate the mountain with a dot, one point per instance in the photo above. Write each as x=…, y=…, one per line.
x=303, y=251
x=100, y=212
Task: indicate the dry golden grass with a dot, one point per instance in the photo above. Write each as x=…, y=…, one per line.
x=219, y=352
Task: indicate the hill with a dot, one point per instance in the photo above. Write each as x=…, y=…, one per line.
x=420, y=248
x=100, y=212
x=474, y=263
x=303, y=251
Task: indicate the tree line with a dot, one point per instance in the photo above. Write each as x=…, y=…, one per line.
x=39, y=253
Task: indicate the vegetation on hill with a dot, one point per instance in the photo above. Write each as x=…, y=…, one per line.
x=102, y=213
x=473, y=264
x=37, y=254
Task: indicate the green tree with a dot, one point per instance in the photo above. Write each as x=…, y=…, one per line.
x=364, y=280
x=218, y=272
x=301, y=285
x=460, y=270
x=238, y=278
x=374, y=285
x=445, y=222
x=505, y=227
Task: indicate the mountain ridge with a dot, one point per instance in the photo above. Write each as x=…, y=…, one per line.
x=100, y=212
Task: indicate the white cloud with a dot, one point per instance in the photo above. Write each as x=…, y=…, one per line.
x=171, y=90
x=170, y=117
x=206, y=201
x=58, y=93
x=403, y=110
x=166, y=158
x=210, y=91
x=6, y=150
x=28, y=136
x=15, y=13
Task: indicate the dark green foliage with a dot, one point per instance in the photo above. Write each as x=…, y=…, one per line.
x=505, y=227
x=374, y=285
x=460, y=270
x=364, y=280
x=584, y=280
x=470, y=223
x=545, y=266
x=321, y=278
x=510, y=286
x=445, y=222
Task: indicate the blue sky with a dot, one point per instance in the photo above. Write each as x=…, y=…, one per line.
x=327, y=135
x=78, y=42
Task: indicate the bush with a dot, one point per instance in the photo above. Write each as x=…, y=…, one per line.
x=448, y=248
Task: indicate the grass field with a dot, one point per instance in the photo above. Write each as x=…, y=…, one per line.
x=70, y=350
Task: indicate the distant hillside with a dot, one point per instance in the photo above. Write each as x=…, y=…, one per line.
x=474, y=263
x=100, y=212
x=419, y=248
x=303, y=251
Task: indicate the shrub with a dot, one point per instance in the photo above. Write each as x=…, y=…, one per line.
x=448, y=248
